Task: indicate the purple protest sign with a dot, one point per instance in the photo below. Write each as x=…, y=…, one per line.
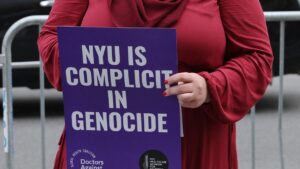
x=116, y=116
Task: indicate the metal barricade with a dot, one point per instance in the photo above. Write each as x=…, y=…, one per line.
x=8, y=65
x=281, y=17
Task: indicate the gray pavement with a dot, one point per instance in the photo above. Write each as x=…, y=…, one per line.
x=267, y=146
x=27, y=131
x=28, y=143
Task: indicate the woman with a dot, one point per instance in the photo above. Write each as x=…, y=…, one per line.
x=225, y=62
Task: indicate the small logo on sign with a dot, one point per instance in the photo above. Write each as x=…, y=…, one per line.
x=85, y=159
x=153, y=159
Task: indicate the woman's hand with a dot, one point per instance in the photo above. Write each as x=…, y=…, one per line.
x=191, y=89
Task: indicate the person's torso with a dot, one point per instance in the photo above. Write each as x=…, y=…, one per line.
x=200, y=35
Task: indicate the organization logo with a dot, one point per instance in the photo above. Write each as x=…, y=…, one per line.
x=85, y=159
x=153, y=159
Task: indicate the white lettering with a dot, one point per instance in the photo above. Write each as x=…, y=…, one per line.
x=69, y=71
x=101, y=121
x=130, y=56
x=89, y=121
x=128, y=127
x=139, y=51
x=115, y=77
x=100, y=53
x=85, y=76
x=77, y=121
x=145, y=81
x=100, y=79
x=115, y=121
x=149, y=122
x=87, y=54
x=162, y=123
x=115, y=74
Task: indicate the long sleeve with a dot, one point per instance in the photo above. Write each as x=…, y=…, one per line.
x=237, y=85
x=64, y=12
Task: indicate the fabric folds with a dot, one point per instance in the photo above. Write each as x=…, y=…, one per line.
x=146, y=13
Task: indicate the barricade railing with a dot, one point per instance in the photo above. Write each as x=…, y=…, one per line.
x=282, y=18
x=7, y=65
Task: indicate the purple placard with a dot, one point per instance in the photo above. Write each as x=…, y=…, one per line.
x=116, y=116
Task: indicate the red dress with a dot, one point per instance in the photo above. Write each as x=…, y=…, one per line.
x=225, y=41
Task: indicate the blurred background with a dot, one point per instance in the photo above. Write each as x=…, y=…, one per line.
x=27, y=127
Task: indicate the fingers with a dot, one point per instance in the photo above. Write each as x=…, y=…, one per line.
x=179, y=77
x=179, y=89
x=190, y=88
x=188, y=101
x=186, y=97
